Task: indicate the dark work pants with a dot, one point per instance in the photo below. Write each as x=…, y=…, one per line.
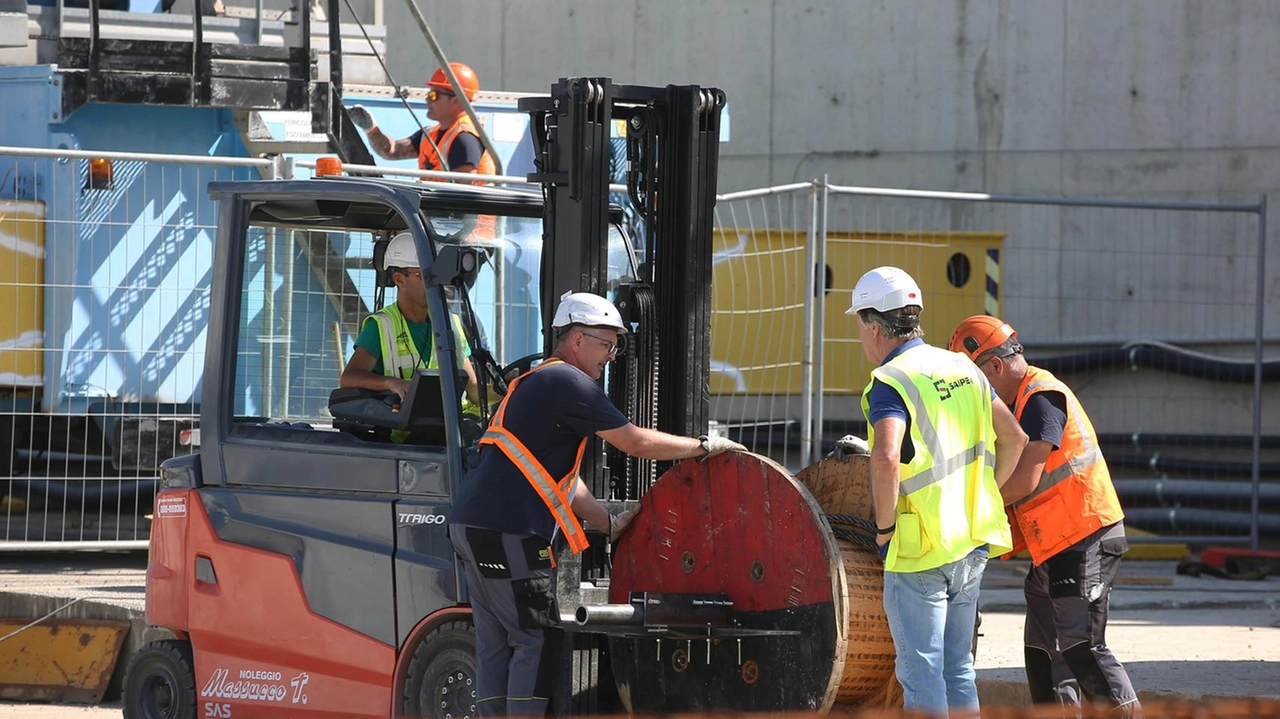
x=1068, y=598
x=511, y=582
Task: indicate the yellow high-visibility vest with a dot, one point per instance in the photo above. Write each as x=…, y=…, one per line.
x=948, y=501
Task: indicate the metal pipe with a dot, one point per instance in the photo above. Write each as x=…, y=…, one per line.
x=56, y=153
x=268, y=379
x=764, y=192
x=1031, y=200
x=1176, y=489
x=588, y=614
x=820, y=323
x=457, y=86
x=57, y=546
x=1260, y=303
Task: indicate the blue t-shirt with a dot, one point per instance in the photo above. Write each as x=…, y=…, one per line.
x=550, y=412
x=465, y=150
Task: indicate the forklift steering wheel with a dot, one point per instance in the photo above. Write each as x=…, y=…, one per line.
x=520, y=366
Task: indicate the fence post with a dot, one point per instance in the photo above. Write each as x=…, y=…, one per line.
x=1256, y=469
x=806, y=352
x=820, y=321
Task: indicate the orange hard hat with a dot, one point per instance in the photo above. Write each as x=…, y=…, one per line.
x=979, y=334
x=466, y=78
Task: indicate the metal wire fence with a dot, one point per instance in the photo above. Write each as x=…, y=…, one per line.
x=1153, y=313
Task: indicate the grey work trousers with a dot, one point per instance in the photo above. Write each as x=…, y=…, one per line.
x=1068, y=599
x=511, y=582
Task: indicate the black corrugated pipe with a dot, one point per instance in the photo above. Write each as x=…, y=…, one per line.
x=1198, y=521
x=1174, y=490
x=1164, y=357
x=1156, y=463
x=1224, y=441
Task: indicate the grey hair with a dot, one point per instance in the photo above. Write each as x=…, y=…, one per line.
x=902, y=323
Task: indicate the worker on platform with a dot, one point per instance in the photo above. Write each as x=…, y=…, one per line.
x=452, y=145
x=1065, y=511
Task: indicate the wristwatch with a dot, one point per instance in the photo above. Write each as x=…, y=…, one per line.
x=705, y=443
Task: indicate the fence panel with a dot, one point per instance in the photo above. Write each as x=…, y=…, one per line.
x=1152, y=313
x=105, y=267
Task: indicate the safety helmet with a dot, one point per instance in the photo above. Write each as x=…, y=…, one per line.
x=401, y=252
x=980, y=334
x=884, y=289
x=584, y=308
x=466, y=78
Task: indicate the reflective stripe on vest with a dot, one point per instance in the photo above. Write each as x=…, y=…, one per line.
x=556, y=495
x=940, y=469
x=1075, y=496
x=429, y=159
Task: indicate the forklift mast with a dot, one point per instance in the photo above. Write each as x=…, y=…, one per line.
x=673, y=136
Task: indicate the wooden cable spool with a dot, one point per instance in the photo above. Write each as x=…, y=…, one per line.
x=741, y=526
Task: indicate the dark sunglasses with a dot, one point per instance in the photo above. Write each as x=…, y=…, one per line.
x=433, y=95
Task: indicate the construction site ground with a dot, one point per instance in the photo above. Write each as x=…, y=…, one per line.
x=1180, y=637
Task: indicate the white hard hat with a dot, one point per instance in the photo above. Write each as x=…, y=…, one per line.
x=884, y=289
x=584, y=308
x=401, y=252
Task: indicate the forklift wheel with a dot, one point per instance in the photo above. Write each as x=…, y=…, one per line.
x=442, y=674
x=160, y=682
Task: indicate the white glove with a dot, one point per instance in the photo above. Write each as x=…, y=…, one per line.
x=361, y=117
x=848, y=446
x=720, y=445
x=618, y=523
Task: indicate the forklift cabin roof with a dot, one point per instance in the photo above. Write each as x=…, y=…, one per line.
x=372, y=204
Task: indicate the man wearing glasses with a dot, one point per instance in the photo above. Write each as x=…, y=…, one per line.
x=525, y=491
x=452, y=145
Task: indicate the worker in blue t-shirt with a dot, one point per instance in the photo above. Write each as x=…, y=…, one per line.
x=526, y=489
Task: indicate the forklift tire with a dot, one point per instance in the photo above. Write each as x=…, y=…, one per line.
x=442, y=674
x=160, y=682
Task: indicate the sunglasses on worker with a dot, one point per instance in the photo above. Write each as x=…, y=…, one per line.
x=433, y=95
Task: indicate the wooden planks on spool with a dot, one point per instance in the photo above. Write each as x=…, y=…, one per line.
x=739, y=525
x=843, y=487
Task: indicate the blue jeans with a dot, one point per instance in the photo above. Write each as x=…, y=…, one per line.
x=931, y=616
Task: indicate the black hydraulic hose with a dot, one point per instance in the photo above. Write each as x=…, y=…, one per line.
x=1163, y=357
x=1223, y=441
x=1157, y=463
x=1175, y=490
x=1187, y=521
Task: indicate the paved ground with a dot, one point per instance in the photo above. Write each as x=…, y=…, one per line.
x=1180, y=637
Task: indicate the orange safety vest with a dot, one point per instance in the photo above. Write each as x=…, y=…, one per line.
x=556, y=495
x=1075, y=497
x=429, y=159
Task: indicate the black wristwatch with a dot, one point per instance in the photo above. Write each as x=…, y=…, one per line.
x=704, y=443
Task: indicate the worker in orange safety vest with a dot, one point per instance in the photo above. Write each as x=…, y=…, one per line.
x=1063, y=509
x=452, y=145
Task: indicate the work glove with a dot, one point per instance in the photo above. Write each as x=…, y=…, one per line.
x=720, y=445
x=618, y=523
x=849, y=446
x=361, y=117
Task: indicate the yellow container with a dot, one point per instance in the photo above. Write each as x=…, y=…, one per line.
x=21, y=293
x=758, y=285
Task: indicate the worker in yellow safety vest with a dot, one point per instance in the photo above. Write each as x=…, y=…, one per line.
x=525, y=489
x=940, y=449
x=1064, y=510
x=397, y=339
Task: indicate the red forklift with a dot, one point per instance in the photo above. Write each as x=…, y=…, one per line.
x=299, y=563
